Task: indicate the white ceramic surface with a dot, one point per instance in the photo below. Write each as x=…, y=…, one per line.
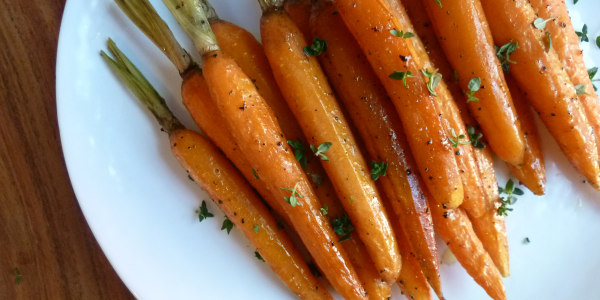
x=140, y=204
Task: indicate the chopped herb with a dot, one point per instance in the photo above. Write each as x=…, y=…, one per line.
x=526, y=241
x=598, y=41
x=343, y=227
x=592, y=73
x=318, y=46
x=318, y=151
x=316, y=178
x=434, y=79
x=580, y=89
x=473, y=86
x=293, y=199
x=583, y=34
x=258, y=256
x=203, y=212
x=439, y=2
x=457, y=140
x=510, y=191
x=256, y=228
x=540, y=23
x=299, y=152
x=503, y=53
x=402, y=34
x=549, y=38
x=254, y=174
x=352, y=198
x=379, y=169
x=227, y=225
x=18, y=275
x=475, y=137
x=575, y=1
x=401, y=75
x=455, y=76
x=324, y=210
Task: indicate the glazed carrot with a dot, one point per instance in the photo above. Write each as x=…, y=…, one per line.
x=256, y=131
x=299, y=11
x=532, y=173
x=366, y=101
x=474, y=196
x=215, y=174
x=370, y=22
x=308, y=94
x=455, y=228
x=485, y=220
x=565, y=43
x=375, y=287
x=540, y=74
x=194, y=91
x=249, y=54
x=466, y=39
x=412, y=281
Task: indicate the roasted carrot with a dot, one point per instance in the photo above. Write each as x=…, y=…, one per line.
x=215, y=174
x=532, y=173
x=540, y=74
x=371, y=23
x=465, y=37
x=256, y=131
x=492, y=236
x=412, y=281
x=379, y=126
x=310, y=97
x=565, y=43
x=299, y=11
x=249, y=54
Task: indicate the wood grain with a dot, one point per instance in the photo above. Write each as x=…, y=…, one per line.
x=43, y=234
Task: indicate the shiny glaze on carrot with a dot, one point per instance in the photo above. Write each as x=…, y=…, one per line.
x=254, y=127
x=215, y=174
x=379, y=126
x=370, y=22
x=309, y=96
x=540, y=74
x=465, y=37
x=299, y=12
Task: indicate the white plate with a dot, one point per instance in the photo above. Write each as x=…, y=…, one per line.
x=140, y=204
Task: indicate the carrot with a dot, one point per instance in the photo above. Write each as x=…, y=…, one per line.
x=488, y=226
x=308, y=94
x=299, y=11
x=454, y=227
x=215, y=174
x=466, y=39
x=412, y=281
x=259, y=136
x=532, y=173
x=565, y=43
x=370, y=22
x=366, y=101
x=540, y=74
x=249, y=54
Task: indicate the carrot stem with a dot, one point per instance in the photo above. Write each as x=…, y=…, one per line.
x=267, y=5
x=140, y=87
x=192, y=16
x=147, y=19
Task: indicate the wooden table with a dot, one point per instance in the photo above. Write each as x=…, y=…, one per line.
x=45, y=242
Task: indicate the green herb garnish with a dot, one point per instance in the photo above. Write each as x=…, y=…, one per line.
x=318, y=151
x=203, y=212
x=583, y=34
x=227, y=225
x=299, y=152
x=254, y=174
x=324, y=210
x=401, y=75
x=503, y=53
x=473, y=86
x=343, y=227
x=402, y=34
x=434, y=79
x=456, y=140
x=378, y=169
x=475, y=137
x=592, y=73
x=293, y=199
x=258, y=256
x=318, y=46
x=549, y=39
x=510, y=191
x=439, y=2
x=540, y=23
x=18, y=275
x=580, y=89
x=316, y=178
x=256, y=228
